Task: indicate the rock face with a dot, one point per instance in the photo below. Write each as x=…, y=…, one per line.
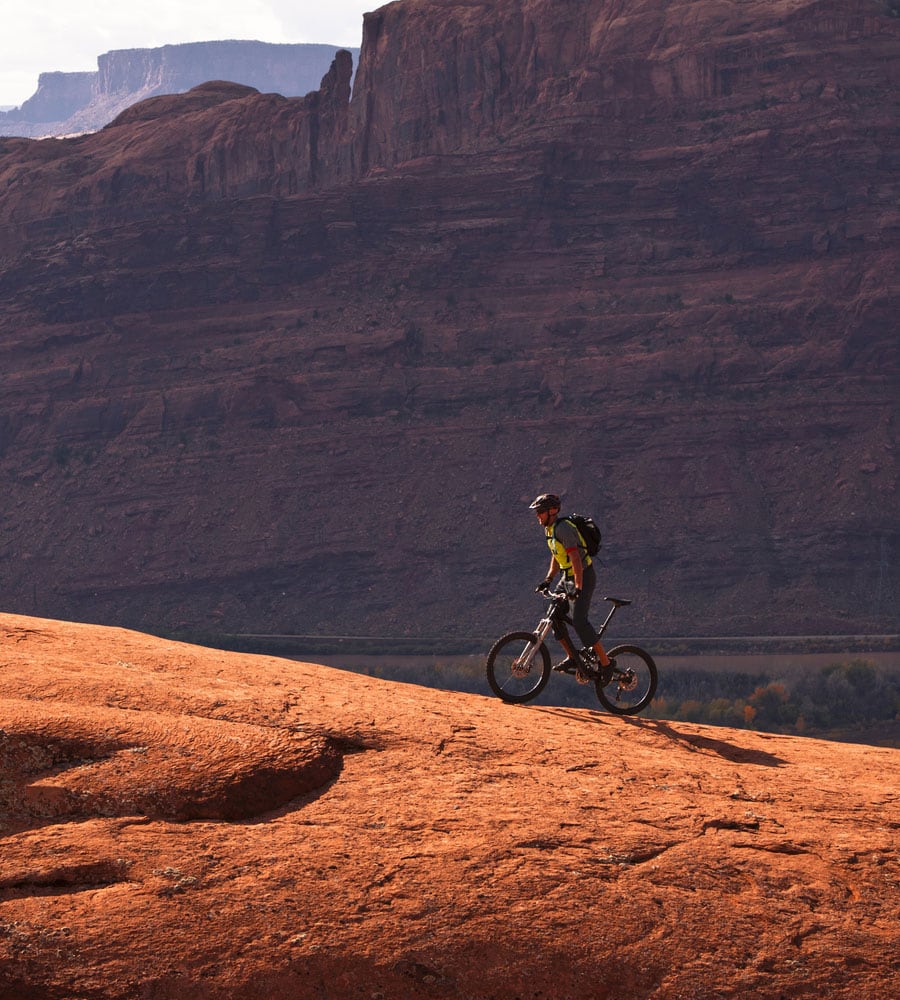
x=179, y=822
x=299, y=365
x=58, y=97
x=67, y=103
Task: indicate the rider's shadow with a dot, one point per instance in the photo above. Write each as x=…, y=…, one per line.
x=736, y=754
x=576, y=713
x=705, y=744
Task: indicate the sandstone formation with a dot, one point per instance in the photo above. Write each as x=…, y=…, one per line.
x=298, y=365
x=58, y=97
x=186, y=823
x=70, y=103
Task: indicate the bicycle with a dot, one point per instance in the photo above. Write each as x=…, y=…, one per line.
x=518, y=664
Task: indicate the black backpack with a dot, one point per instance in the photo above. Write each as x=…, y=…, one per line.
x=587, y=528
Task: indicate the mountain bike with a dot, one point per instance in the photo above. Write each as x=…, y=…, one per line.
x=518, y=665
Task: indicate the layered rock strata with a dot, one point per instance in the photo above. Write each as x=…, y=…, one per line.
x=299, y=365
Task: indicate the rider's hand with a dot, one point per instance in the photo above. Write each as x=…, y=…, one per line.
x=543, y=585
x=573, y=591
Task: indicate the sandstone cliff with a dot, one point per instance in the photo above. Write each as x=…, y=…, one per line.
x=69, y=103
x=298, y=365
x=59, y=95
x=185, y=824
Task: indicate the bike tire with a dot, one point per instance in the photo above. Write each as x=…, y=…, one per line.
x=507, y=685
x=620, y=699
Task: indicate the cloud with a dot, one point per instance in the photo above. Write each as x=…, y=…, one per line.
x=338, y=22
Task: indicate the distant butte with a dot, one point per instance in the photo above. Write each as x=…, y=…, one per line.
x=71, y=103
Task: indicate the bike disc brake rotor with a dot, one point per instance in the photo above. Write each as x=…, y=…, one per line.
x=521, y=667
x=627, y=681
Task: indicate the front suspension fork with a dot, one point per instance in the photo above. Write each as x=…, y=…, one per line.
x=540, y=635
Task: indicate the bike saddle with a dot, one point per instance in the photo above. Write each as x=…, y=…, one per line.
x=618, y=602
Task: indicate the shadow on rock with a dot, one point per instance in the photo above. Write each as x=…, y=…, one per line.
x=729, y=751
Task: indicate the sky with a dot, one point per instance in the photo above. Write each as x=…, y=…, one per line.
x=40, y=36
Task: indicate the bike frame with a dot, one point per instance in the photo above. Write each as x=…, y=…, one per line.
x=518, y=665
x=558, y=607
x=612, y=611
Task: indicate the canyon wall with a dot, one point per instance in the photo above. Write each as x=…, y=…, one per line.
x=299, y=365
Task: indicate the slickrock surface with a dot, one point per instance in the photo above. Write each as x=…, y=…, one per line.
x=184, y=823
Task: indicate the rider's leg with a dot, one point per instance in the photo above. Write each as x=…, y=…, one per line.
x=568, y=646
x=602, y=655
x=586, y=632
x=561, y=634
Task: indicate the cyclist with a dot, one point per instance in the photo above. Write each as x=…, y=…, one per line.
x=570, y=557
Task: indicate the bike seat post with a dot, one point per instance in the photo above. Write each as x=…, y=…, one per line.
x=602, y=628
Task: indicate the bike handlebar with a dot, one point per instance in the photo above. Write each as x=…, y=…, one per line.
x=546, y=592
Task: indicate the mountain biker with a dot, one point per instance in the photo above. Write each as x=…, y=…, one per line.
x=569, y=556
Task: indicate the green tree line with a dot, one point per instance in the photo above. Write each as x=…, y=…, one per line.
x=835, y=697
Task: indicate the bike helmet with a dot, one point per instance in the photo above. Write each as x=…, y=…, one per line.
x=546, y=501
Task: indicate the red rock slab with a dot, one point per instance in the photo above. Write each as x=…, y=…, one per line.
x=466, y=848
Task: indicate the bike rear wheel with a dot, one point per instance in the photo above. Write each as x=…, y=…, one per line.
x=632, y=684
x=518, y=667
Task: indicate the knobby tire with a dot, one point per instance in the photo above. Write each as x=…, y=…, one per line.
x=503, y=682
x=624, y=702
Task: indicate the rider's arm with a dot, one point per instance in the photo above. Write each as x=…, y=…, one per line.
x=567, y=536
x=554, y=568
x=577, y=566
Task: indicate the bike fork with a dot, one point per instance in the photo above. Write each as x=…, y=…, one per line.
x=524, y=662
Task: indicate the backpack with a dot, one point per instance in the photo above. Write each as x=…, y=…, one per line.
x=587, y=528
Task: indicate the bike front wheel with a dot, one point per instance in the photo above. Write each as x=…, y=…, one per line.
x=518, y=667
x=630, y=686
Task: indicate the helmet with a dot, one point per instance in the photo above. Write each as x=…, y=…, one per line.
x=546, y=501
